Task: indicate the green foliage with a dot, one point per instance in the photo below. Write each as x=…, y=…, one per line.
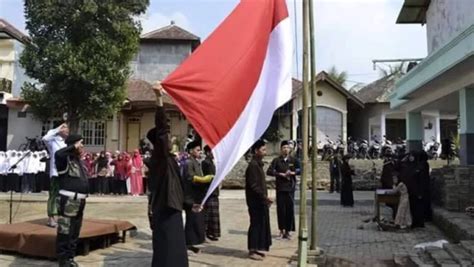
x=340, y=77
x=5, y=85
x=272, y=135
x=79, y=55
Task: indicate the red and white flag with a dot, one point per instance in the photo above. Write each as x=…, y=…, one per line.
x=229, y=88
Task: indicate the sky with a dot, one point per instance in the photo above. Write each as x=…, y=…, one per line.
x=349, y=33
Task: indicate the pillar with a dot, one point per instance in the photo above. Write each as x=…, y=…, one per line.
x=438, y=127
x=344, y=128
x=382, y=127
x=415, y=131
x=466, y=133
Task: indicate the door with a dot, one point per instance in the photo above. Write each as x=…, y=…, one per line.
x=3, y=127
x=329, y=122
x=133, y=134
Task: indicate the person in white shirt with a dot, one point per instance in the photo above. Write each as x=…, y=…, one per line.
x=13, y=180
x=54, y=140
x=30, y=171
x=3, y=170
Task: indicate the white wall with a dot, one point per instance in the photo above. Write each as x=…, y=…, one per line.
x=19, y=128
x=446, y=19
x=19, y=76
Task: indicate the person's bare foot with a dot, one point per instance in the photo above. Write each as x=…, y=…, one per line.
x=254, y=256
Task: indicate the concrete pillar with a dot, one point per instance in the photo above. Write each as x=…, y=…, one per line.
x=415, y=131
x=382, y=126
x=344, y=128
x=466, y=133
x=438, y=127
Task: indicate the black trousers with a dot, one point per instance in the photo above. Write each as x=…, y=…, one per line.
x=285, y=211
x=70, y=213
x=335, y=182
x=169, y=244
x=417, y=212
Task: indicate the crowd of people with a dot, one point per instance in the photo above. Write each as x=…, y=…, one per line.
x=23, y=171
x=119, y=173
x=407, y=176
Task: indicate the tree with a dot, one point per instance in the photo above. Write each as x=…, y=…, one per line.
x=79, y=55
x=397, y=69
x=340, y=77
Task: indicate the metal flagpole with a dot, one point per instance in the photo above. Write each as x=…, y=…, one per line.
x=303, y=231
x=314, y=131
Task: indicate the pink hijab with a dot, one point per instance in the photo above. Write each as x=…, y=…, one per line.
x=137, y=158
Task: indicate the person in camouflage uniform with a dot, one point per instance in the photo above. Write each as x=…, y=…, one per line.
x=73, y=191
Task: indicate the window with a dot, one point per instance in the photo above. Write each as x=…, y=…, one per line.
x=93, y=133
x=50, y=124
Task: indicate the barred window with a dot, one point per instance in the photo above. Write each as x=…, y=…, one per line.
x=50, y=124
x=93, y=133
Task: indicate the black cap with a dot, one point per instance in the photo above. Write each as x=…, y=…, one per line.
x=207, y=149
x=284, y=143
x=151, y=135
x=73, y=138
x=193, y=145
x=258, y=145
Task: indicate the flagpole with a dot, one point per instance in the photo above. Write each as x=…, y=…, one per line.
x=314, y=131
x=303, y=230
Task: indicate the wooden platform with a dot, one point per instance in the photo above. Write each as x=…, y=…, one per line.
x=34, y=238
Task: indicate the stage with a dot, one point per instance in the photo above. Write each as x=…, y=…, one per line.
x=34, y=238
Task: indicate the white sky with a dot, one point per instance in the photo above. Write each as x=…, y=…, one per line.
x=349, y=33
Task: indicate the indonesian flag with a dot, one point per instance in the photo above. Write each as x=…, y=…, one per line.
x=229, y=88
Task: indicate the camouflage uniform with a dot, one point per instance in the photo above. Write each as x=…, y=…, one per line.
x=73, y=190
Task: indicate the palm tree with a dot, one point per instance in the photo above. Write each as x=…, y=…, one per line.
x=340, y=77
x=397, y=70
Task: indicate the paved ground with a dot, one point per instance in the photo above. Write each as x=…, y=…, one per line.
x=338, y=228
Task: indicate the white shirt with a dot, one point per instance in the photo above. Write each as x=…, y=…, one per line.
x=31, y=164
x=20, y=165
x=54, y=142
x=42, y=164
x=3, y=160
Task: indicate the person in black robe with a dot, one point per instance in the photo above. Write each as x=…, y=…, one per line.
x=347, y=196
x=386, y=178
x=195, y=227
x=167, y=195
x=410, y=175
x=258, y=202
x=285, y=168
x=334, y=165
x=424, y=167
x=211, y=207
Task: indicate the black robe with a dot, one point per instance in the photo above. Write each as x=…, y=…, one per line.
x=285, y=187
x=388, y=170
x=195, y=227
x=410, y=175
x=259, y=234
x=167, y=199
x=347, y=196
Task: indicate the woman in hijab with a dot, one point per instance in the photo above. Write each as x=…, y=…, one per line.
x=89, y=164
x=102, y=170
x=347, y=196
x=424, y=168
x=410, y=175
x=121, y=174
x=136, y=179
x=3, y=170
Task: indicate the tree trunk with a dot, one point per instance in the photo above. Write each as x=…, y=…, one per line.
x=73, y=122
